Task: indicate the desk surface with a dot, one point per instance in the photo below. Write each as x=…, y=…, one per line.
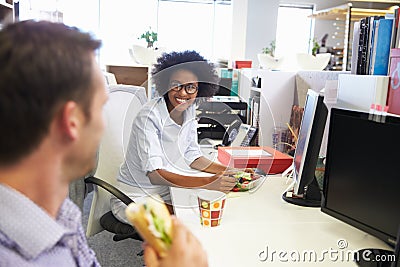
x=259, y=228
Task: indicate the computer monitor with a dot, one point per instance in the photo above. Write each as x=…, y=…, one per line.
x=306, y=191
x=361, y=183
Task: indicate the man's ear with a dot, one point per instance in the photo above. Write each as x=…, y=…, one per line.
x=71, y=117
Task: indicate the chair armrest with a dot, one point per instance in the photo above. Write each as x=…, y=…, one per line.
x=113, y=190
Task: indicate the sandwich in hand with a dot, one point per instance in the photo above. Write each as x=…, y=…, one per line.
x=153, y=222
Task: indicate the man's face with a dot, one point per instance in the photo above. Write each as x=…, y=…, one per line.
x=93, y=126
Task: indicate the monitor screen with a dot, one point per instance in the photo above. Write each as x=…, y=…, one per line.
x=307, y=152
x=361, y=183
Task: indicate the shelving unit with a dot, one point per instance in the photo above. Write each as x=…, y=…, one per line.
x=336, y=62
x=6, y=12
x=270, y=104
x=349, y=14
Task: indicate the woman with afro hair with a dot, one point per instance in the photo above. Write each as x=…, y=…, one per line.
x=163, y=150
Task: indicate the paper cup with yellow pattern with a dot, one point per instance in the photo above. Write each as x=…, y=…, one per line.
x=211, y=206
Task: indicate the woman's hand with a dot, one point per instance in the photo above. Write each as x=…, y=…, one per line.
x=185, y=250
x=222, y=181
x=235, y=170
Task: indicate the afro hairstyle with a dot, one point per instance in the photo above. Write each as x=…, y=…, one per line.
x=192, y=61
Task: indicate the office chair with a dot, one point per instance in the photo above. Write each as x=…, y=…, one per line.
x=231, y=132
x=122, y=107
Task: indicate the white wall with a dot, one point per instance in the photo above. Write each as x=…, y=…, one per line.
x=254, y=25
x=261, y=26
x=239, y=27
x=258, y=20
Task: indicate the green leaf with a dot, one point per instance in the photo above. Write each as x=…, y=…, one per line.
x=159, y=224
x=150, y=36
x=271, y=49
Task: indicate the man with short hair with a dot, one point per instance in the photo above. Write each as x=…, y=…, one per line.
x=51, y=97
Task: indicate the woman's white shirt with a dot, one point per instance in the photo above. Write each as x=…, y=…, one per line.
x=158, y=142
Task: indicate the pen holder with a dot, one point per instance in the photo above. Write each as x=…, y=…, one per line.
x=280, y=139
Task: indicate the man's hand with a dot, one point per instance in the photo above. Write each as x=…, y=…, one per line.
x=185, y=250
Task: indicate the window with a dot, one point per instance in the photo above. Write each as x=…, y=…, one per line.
x=121, y=24
x=81, y=14
x=294, y=31
x=201, y=25
x=204, y=26
x=222, y=39
x=186, y=25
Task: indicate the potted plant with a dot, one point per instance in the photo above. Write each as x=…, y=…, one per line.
x=146, y=55
x=150, y=37
x=271, y=49
x=315, y=48
x=267, y=58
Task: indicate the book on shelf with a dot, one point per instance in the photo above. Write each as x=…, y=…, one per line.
x=354, y=50
x=364, y=44
x=381, y=47
x=395, y=40
x=371, y=46
x=374, y=23
x=394, y=85
x=373, y=37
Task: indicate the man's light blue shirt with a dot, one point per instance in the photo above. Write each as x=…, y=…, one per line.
x=30, y=237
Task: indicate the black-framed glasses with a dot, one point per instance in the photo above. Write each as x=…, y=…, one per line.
x=190, y=88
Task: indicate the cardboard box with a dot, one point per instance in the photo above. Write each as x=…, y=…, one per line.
x=394, y=84
x=269, y=160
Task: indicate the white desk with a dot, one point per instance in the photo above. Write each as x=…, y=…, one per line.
x=253, y=222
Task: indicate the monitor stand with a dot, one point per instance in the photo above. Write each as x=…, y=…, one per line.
x=311, y=198
x=367, y=257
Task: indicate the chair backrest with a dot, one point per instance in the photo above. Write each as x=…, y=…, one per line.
x=123, y=104
x=110, y=78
